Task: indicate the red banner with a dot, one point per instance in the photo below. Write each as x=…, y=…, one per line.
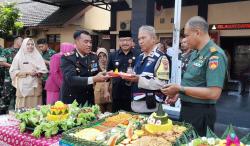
x=231, y=26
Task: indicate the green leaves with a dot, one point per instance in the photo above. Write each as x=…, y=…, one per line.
x=31, y=117
x=37, y=119
x=246, y=139
x=37, y=131
x=210, y=133
x=96, y=109
x=67, y=124
x=18, y=24
x=33, y=121
x=50, y=128
x=74, y=109
x=45, y=109
x=22, y=127
x=9, y=16
x=228, y=131
x=74, y=104
x=85, y=118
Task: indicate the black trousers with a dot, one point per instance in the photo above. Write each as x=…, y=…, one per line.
x=245, y=80
x=44, y=93
x=121, y=96
x=121, y=104
x=200, y=116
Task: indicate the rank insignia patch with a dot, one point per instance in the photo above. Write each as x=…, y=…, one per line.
x=213, y=49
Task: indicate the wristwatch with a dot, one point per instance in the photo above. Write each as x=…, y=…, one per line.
x=182, y=90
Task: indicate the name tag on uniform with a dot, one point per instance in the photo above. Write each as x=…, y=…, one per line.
x=198, y=64
x=200, y=61
x=25, y=62
x=148, y=63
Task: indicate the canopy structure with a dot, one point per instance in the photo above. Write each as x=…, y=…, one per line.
x=103, y=4
x=165, y=3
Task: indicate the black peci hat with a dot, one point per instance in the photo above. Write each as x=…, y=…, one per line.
x=42, y=41
x=124, y=34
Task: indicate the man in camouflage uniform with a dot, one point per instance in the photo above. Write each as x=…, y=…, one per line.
x=46, y=53
x=7, y=101
x=1, y=74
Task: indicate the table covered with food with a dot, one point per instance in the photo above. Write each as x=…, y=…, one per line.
x=75, y=125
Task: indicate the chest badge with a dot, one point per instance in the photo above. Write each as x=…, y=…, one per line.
x=94, y=66
x=197, y=64
x=78, y=67
x=149, y=63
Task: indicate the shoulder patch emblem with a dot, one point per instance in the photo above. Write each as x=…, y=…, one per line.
x=162, y=72
x=165, y=62
x=213, y=49
x=213, y=64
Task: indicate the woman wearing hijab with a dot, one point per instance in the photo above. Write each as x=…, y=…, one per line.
x=25, y=72
x=54, y=81
x=105, y=104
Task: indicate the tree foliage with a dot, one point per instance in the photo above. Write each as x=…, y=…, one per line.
x=9, y=16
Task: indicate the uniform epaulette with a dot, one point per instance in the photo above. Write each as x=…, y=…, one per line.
x=213, y=49
x=69, y=53
x=158, y=52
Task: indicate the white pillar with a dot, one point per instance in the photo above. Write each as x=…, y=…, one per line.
x=176, y=63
